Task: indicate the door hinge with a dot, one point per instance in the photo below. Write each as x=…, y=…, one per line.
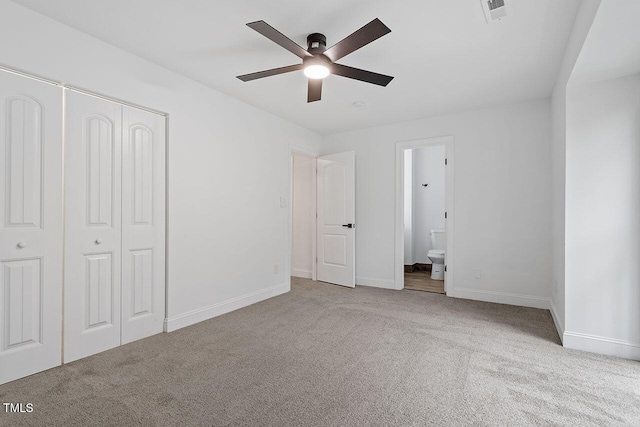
x=445, y=215
x=445, y=268
x=445, y=161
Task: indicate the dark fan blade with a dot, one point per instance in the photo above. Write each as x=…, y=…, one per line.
x=315, y=90
x=362, y=75
x=365, y=35
x=269, y=73
x=276, y=36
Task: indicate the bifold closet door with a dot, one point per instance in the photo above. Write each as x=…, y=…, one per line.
x=114, y=225
x=30, y=226
x=92, y=299
x=143, y=224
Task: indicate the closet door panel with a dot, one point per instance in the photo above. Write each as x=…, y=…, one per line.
x=143, y=224
x=92, y=225
x=30, y=226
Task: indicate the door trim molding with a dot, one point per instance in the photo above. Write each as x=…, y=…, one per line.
x=448, y=142
x=166, y=222
x=314, y=208
x=43, y=79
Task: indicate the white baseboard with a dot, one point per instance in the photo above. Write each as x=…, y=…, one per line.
x=376, y=283
x=602, y=345
x=301, y=273
x=556, y=320
x=503, y=298
x=195, y=316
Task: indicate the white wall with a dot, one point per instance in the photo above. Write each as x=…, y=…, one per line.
x=602, y=217
x=227, y=167
x=303, y=215
x=408, y=207
x=428, y=202
x=611, y=48
x=502, y=199
x=581, y=26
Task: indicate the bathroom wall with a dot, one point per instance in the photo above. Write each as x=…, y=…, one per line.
x=302, y=211
x=428, y=202
x=408, y=207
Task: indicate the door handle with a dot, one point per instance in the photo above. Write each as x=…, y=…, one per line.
x=21, y=245
x=349, y=225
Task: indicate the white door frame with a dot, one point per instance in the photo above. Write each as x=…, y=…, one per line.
x=448, y=142
x=313, y=154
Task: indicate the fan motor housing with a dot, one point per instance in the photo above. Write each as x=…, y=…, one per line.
x=316, y=43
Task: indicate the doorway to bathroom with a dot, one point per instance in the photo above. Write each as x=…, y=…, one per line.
x=424, y=215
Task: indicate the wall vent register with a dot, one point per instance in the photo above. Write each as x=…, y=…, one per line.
x=494, y=10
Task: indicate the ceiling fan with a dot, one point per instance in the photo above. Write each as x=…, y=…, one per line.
x=318, y=61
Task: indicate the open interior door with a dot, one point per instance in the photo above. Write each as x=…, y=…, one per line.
x=336, y=219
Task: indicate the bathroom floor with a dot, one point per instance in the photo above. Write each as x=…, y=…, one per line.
x=421, y=281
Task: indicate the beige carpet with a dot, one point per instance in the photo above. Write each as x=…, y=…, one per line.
x=326, y=355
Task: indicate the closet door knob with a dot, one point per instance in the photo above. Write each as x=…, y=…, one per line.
x=98, y=241
x=22, y=245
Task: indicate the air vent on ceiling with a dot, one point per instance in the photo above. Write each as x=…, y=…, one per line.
x=494, y=10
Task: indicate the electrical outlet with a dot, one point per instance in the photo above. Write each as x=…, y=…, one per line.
x=276, y=269
x=283, y=202
x=478, y=274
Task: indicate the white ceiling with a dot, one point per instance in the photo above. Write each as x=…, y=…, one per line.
x=443, y=54
x=612, y=48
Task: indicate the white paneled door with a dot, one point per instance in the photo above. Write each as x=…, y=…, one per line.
x=336, y=218
x=30, y=226
x=92, y=225
x=143, y=224
x=114, y=225
x=98, y=247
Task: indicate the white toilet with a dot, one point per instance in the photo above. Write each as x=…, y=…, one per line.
x=436, y=255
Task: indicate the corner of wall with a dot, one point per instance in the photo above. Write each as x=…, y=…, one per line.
x=557, y=320
x=581, y=26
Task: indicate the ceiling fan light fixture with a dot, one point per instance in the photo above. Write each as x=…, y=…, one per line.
x=318, y=61
x=316, y=71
